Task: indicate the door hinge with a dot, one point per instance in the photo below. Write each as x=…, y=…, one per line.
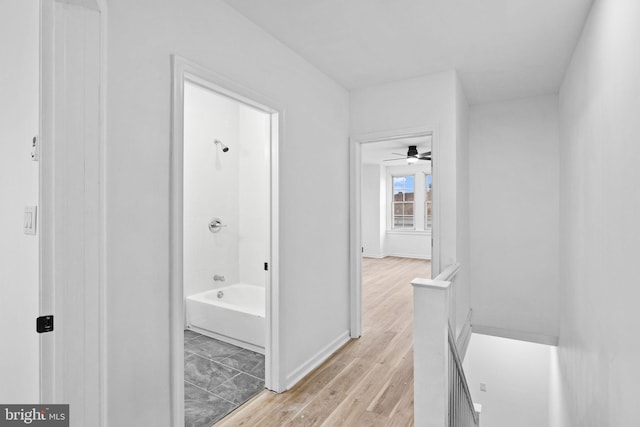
x=35, y=149
x=44, y=324
x=266, y=266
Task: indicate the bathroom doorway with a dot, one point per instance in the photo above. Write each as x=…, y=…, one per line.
x=224, y=238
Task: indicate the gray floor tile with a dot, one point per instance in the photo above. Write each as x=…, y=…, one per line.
x=205, y=373
x=248, y=362
x=202, y=409
x=240, y=388
x=189, y=335
x=214, y=365
x=210, y=348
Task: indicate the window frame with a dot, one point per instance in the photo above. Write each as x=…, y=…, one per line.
x=418, y=171
x=393, y=226
x=428, y=201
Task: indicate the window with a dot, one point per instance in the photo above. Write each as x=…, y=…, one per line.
x=402, y=201
x=428, y=203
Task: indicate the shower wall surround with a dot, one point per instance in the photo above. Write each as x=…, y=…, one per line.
x=228, y=185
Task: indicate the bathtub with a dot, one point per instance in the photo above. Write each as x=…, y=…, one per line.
x=237, y=317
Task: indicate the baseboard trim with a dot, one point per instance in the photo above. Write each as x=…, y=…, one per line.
x=402, y=255
x=228, y=340
x=376, y=256
x=515, y=335
x=317, y=359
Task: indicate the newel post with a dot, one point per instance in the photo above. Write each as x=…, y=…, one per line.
x=430, y=352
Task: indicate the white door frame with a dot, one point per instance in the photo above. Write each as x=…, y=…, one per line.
x=355, y=209
x=184, y=70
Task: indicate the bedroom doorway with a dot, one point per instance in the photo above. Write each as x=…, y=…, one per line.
x=393, y=205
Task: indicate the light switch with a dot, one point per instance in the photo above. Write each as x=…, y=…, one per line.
x=30, y=219
x=483, y=387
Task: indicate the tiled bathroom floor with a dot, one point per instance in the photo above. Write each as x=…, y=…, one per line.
x=218, y=377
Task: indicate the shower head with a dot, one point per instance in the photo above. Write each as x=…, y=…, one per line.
x=224, y=147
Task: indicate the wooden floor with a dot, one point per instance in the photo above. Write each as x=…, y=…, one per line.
x=369, y=381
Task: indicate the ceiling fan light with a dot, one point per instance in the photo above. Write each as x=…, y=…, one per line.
x=412, y=160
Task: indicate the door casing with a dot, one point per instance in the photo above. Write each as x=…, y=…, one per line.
x=185, y=70
x=355, y=211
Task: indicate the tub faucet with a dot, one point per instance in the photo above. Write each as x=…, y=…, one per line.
x=218, y=278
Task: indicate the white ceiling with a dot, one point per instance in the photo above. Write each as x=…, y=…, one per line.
x=502, y=49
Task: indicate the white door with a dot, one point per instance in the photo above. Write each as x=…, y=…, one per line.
x=71, y=188
x=19, y=289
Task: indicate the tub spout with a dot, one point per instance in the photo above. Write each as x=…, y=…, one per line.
x=218, y=278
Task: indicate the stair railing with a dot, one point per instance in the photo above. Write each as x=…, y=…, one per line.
x=441, y=394
x=461, y=410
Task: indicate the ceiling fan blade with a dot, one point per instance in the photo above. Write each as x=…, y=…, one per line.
x=391, y=160
x=398, y=154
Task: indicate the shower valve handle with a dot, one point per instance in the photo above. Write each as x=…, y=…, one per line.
x=215, y=225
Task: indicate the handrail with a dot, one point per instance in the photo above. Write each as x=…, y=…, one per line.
x=442, y=280
x=463, y=381
x=448, y=273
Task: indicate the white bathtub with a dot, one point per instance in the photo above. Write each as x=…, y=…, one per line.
x=237, y=317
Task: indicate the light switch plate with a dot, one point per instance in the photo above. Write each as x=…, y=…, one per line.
x=30, y=219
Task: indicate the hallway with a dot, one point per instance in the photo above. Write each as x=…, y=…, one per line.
x=367, y=382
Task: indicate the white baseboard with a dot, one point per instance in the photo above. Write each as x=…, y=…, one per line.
x=317, y=359
x=404, y=255
x=515, y=335
x=229, y=340
x=377, y=256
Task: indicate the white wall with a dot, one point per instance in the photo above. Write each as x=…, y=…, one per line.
x=231, y=186
x=558, y=416
x=373, y=210
x=515, y=217
x=19, y=295
x=517, y=375
x=253, y=203
x=600, y=231
x=464, y=279
x=211, y=189
x=314, y=206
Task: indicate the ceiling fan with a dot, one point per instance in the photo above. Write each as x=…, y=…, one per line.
x=412, y=155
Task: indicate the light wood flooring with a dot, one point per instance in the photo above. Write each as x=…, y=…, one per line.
x=369, y=381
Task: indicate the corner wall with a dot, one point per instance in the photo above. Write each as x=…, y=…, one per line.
x=463, y=212
x=517, y=376
x=373, y=210
x=515, y=218
x=314, y=269
x=600, y=231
